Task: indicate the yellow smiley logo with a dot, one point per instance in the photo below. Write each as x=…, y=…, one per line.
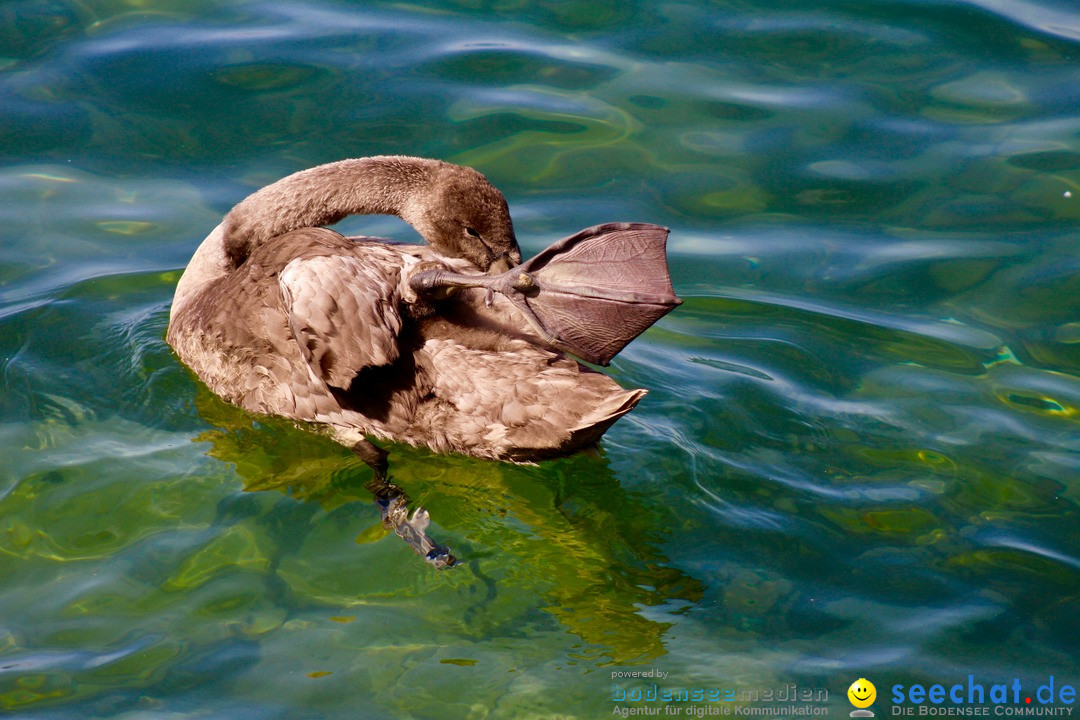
x=862, y=693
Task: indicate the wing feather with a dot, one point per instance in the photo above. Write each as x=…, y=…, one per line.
x=343, y=311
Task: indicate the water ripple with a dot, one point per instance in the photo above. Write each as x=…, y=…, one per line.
x=1037, y=16
x=859, y=447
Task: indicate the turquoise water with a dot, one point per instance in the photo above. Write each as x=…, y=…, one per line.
x=860, y=450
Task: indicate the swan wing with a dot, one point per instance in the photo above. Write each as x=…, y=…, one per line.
x=343, y=312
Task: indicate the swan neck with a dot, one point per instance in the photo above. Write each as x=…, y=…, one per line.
x=383, y=185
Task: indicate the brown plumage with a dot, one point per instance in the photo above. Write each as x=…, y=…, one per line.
x=282, y=317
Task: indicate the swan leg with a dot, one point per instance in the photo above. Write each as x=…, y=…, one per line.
x=393, y=506
x=373, y=456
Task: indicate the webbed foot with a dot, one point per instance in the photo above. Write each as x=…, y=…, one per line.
x=393, y=506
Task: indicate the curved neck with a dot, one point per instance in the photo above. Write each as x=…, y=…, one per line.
x=382, y=185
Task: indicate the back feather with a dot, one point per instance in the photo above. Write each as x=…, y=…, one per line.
x=343, y=312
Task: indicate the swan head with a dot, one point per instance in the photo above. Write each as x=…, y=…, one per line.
x=462, y=215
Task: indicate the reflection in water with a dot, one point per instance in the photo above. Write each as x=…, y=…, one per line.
x=579, y=541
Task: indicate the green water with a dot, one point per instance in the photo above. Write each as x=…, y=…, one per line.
x=860, y=450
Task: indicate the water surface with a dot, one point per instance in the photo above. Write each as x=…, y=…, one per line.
x=859, y=453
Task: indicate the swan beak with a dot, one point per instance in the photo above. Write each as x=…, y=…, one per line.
x=500, y=266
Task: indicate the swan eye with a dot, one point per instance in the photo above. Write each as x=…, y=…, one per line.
x=472, y=233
